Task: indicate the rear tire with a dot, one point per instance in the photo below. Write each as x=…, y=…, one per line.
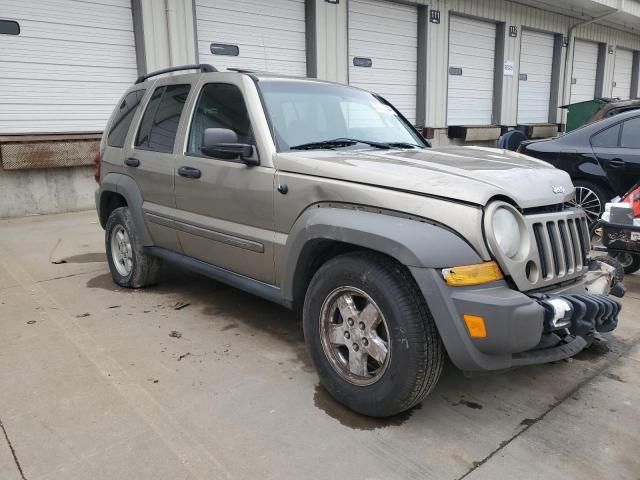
x=130, y=265
x=392, y=362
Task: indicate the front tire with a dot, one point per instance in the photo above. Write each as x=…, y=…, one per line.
x=630, y=261
x=130, y=266
x=370, y=334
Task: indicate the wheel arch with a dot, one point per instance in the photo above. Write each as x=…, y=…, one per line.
x=321, y=233
x=117, y=190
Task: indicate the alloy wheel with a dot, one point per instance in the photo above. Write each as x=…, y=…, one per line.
x=354, y=336
x=589, y=201
x=121, y=250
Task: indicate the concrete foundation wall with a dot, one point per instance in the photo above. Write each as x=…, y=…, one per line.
x=28, y=192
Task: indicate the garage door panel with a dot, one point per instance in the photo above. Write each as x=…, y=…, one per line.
x=472, y=49
x=88, y=50
x=382, y=38
x=71, y=13
x=277, y=8
x=272, y=41
x=387, y=33
x=250, y=20
x=622, y=73
x=380, y=10
x=584, y=71
x=536, y=62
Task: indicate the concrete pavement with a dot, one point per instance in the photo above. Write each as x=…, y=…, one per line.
x=98, y=382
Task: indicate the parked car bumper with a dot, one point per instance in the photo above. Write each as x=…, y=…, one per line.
x=518, y=328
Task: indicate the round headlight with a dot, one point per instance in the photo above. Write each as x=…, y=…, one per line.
x=506, y=231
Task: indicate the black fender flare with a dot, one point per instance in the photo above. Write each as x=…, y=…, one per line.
x=128, y=188
x=412, y=242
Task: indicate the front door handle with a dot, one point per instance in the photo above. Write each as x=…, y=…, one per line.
x=616, y=163
x=132, y=162
x=189, y=172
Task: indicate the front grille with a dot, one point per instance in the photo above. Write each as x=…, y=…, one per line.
x=563, y=246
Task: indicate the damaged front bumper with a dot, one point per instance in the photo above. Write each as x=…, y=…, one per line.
x=522, y=329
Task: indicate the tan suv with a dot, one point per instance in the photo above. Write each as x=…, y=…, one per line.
x=322, y=197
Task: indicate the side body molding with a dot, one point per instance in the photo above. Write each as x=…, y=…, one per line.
x=127, y=187
x=412, y=242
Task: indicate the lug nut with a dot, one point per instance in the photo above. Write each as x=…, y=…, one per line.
x=365, y=342
x=347, y=335
x=350, y=322
x=356, y=347
x=361, y=325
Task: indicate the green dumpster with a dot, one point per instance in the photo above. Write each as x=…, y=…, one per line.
x=578, y=113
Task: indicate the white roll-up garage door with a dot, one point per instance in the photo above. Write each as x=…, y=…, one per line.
x=622, y=73
x=252, y=34
x=386, y=34
x=585, y=70
x=471, y=67
x=67, y=68
x=534, y=86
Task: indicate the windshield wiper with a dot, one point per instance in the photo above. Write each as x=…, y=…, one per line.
x=338, y=142
x=404, y=145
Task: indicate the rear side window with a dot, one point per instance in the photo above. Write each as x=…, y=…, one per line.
x=606, y=138
x=123, y=118
x=630, y=137
x=161, y=118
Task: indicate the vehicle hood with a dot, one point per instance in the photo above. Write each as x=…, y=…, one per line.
x=467, y=174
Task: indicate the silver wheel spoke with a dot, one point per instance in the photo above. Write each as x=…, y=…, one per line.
x=358, y=363
x=347, y=307
x=336, y=334
x=369, y=316
x=377, y=348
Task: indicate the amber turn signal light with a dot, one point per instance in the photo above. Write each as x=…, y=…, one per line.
x=476, y=326
x=472, y=274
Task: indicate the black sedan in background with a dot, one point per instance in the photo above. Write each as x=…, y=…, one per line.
x=602, y=158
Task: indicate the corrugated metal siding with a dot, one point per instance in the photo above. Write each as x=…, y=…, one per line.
x=622, y=73
x=514, y=14
x=536, y=65
x=387, y=34
x=269, y=39
x=68, y=67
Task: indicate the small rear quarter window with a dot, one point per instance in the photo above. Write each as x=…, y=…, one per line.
x=123, y=117
x=606, y=138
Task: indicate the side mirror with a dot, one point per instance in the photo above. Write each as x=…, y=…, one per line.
x=223, y=143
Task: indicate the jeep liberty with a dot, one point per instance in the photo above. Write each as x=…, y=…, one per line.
x=324, y=198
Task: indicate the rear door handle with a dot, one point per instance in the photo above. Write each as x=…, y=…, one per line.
x=616, y=163
x=132, y=162
x=189, y=172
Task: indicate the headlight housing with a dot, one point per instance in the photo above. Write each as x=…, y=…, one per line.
x=506, y=231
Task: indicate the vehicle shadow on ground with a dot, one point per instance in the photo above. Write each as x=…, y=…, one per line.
x=229, y=308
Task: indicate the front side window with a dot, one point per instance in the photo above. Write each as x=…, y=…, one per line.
x=123, y=117
x=630, y=137
x=607, y=138
x=160, y=121
x=220, y=105
x=307, y=112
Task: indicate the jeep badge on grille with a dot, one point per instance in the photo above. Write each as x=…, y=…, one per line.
x=557, y=188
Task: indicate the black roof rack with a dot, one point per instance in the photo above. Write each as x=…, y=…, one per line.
x=203, y=67
x=240, y=70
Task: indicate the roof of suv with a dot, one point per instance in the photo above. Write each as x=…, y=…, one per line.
x=206, y=68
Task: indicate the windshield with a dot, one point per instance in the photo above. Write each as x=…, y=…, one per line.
x=304, y=112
